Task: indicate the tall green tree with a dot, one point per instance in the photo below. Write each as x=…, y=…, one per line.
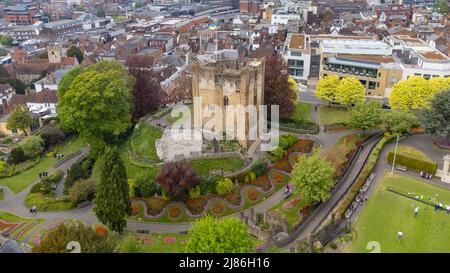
x=366, y=116
x=312, y=177
x=350, y=91
x=436, y=119
x=327, y=88
x=74, y=51
x=398, y=121
x=6, y=40
x=20, y=119
x=101, y=12
x=113, y=204
x=411, y=94
x=210, y=235
x=96, y=102
x=441, y=6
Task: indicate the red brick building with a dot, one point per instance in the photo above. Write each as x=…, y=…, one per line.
x=249, y=7
x=21, y=14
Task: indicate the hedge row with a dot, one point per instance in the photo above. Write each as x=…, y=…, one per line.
x=367, y=170
x=405, y=194
x=285, y=128
x=413, y=163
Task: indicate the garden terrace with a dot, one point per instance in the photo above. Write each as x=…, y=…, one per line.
x=18, y=227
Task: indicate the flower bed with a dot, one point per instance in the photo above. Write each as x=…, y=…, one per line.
x=262, y=182
x=217, y=208
x=154, y=205
x=288, y=205
x=135, y=209
x=234, y=197
x=8, y=226
x=101, y=230
x=174, y=212
x=302, y=146
x=170, y=240
x=252, y=195
x=197, y=206
x=283, y=165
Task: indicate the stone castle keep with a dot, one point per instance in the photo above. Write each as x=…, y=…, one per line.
x=225, y=82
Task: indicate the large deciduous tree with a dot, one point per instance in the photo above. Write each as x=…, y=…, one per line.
x=96, y=103
x=366, y=115
x=74, y=51
x=20, y=119
x=399, y=122
x=436, y=119
x=411, y=94
x=313, y=178
x=350, y=91
x=112, y=200
x=32, y=146
x=177, y=178
x=210, y=235
x=327, y=88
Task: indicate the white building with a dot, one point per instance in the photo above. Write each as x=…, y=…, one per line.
x=297, y=55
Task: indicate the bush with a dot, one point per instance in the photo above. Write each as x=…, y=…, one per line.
x=333, y=245
x=76, y=172
x=42, y=187
x=17, y=155
x=194, y=192
x=207, y=184
x=287, y=141
x=252, y=176
x=277, y=154
x=259, y=167
x=410, y=162
x=54, y=177
x=145, y=186
x=52, y=135
x=32, y=146
x=224, y=187
x=82, y=191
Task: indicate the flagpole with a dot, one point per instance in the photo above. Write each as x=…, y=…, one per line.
x=395, y=155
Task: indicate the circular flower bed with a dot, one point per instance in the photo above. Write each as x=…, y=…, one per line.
x=174, y=212
x=278, y=177
x=217, y=208
x=252, y=195
x=169, y=240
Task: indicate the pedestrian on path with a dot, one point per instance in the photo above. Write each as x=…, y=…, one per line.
x=416, y=211
x=400, y=235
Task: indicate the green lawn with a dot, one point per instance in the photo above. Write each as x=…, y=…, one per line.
x=143, y=141
x=331, y=115
x=171, y=120
x=203, y=166
x=19, y=182
x=386, y=213
x=48, y=202
x=410, y=151
x=159, y=246
x=302, y=112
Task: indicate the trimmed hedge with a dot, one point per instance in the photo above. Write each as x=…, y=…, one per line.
x=413, y=163
x=405, y=194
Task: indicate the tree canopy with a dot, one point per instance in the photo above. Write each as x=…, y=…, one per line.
x=6, y=40
x=90, y=97
x=312, y=177
x=366, y=115
x=441, y=6
x=20, y=119
x=411, y=94
x=436, y=119
x=327, y=87
x=74, y=51
x=226, y=235
x=399, y=121
x=350, y=91
x=177, y=178
x=112, y=200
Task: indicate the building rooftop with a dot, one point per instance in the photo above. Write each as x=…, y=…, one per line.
x=297, y=41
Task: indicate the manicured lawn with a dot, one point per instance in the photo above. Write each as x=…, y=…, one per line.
x=331, y=115
x=292, y=214
x=143, y=141
x=203, y=166
x=19, y=182
x=48, y=202
x=302, y=112
x=386, y=213
x=408, y=150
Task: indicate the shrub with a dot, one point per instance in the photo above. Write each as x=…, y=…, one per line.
x=259, y=167
x=247, y=179
x=194, y=192
x=177, y=178
x=32, y=146
x=224, y=187
x=145, y=186
x=252, y=195
x=42, y=187
x=217, y=208
x=207, y=184
x=82, y=190
x=17, y=155
x=287, y=141
x=410, y=162
x=277, y=154
x=54, y=177
x=76, y=172
x=52, y=135
x=252, y=176
x=333, y=245
x=174, y=212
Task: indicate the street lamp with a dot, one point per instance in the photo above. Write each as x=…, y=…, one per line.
x=395, y=155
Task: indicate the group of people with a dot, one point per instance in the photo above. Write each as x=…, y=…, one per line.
x=43, y=174
x=58, y=156
x=33, y=210
x=426, y=175
x=440, y=206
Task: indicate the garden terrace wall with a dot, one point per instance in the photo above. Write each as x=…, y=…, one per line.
x=413, y=163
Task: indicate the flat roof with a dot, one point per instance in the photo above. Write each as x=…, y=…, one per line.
x=370, y=58
x=297, y=41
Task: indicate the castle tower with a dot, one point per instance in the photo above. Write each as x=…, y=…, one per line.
x=54, y=53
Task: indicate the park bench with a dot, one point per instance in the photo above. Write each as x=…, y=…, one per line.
x=401, y=168
x=83, y=204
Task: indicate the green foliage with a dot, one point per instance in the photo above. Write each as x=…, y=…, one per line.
x=82, y=191
x=53, y=177
x=277, y=154
x=224, y=186
x=6, y=40
x=145, y=186
x=287, y=141
x=259, y=167
x=130, y=245
x=3, y=166
x=101, y=12
x=207, y=184
x=327, y=88
x=56, y=240
x=350, y=91
x=398, y=121
x=436, y=120
x=313, y=177
x=74, y=51
x=441, y=6
x=20, y=119
x=76, y=172
x=97, y=94
x=414, y=163
x=52, y=135
x=366, y=115
x=227, y=235
x=138, y=4
x=32, y=146
x=17, y=155
x=112, y=189
x=195, y=192
x=411, y=94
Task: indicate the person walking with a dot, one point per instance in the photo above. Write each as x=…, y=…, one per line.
x=400, y=235
x=34, y=209
x=416, y=211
